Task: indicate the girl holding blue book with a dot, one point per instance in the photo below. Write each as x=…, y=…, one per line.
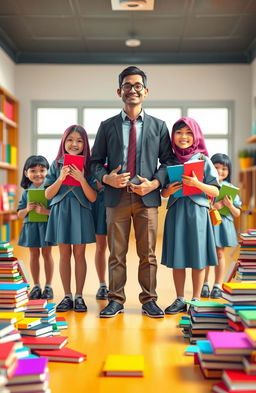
x=33, y=233
x=70, y=222
x=188, y=235
x=225, y=233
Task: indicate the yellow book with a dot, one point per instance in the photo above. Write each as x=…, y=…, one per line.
x=124, y=365
x=13, y=155
x=240, y=287
x=251, y=333
x=11, y=317
x=27, y=323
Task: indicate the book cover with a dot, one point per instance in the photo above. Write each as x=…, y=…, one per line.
x=221, y=387
x=206, y=305
x=175, y=173
x=29, y=368
x=124, y=365
x=37, y=330
x=37, y=196
x=16, y=288
x=239, y=380
x=230, y=342
x=239, y=287
x=190, y=350
x=65, y=354
x=78, y=161
x=27, y=323
x=45, y=342
x=251, y=334
x=249, y=317
x=7, y=353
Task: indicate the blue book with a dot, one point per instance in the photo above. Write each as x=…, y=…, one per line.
x=191, y=349
x=13, y=287
x=205, y=346
x=175, y=173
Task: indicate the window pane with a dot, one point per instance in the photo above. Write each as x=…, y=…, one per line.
x=169, y=115
x=48, y=148
x=92, y=117
x=216, y=146
x=211, y=120
x=55, y=120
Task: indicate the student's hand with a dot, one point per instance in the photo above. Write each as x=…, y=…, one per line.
x=31, y=206
x=227, y=201
x=64, y=172
x=41, y=209
x=171, y=189
x=218, y=205
x=76, y=173
x=145, y=186
x=116, y=180
x=191, y=181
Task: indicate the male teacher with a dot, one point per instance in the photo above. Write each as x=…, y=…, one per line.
x=131, y=143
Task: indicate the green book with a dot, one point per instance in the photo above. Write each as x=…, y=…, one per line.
x=37, y=196
x=226, y=190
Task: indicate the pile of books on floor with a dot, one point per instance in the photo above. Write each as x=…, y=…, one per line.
x=205, y=315
x=13, y=297
x=246, y=264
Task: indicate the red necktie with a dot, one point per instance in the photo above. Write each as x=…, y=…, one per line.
x=131, y=157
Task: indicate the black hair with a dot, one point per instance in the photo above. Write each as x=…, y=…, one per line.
x=31, y=162
x=223, y=159
x=132, y=70
x=179, y=125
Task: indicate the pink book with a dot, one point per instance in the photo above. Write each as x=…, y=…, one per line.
x=78, y=161
x=230, y=342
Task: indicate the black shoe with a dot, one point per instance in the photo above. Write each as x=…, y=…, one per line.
x=112, y=309
x=152, y=310
x=80, y=305
x=176, y=307
x=205, y=292
x=36, y=293
x=216, y=293
x=47, y=293
x=102, y=293
x=65, y=305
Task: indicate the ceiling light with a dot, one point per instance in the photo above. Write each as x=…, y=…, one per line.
x=133, y=42
x=132, y=5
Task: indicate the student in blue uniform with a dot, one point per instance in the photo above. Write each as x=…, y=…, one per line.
x=33, y=233
x=188, y=235
x=70, y=222
x=225, y=233
x=100, y=224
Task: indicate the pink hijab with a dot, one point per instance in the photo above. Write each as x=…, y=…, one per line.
x=198, y=146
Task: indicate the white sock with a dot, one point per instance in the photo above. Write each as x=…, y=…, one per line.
x=69, y=295
x=181, y=298
x=77, y=295
x=37, y=286
x=206, y=284
x=195, y=299
x=48, y=286
x=103, y=284
x=217, y=286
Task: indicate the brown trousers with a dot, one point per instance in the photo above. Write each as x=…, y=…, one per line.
x=145, y=220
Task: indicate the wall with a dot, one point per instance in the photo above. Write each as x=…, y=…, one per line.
x=166, y=82
x=7, y=72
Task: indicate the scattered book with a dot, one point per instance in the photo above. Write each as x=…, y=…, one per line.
x=124, y=366
x=175, y=173
x=45, y=342
x=38, y=196
x=62, y=355
x=78, y=161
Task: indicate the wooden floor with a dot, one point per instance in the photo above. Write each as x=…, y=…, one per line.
x=161, y=343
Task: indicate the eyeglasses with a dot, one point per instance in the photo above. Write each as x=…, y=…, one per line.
x=128, y=86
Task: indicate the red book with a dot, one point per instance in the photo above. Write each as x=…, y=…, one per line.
x=239, y=380
x=238, y=326
x=196, y=166
x=222, y=388
x=62, y=355
x=78, y=161
x=44, y=342
x=7, y=354
x=36, y=303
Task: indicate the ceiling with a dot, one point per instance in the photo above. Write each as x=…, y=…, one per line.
x=90, y=32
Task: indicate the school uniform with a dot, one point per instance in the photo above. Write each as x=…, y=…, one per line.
x=225, y=233
x=32, y=233
x=99, y=214
x=70, y=220
x=188, y=239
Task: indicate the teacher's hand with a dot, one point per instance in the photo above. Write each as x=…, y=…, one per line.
x=145, y=187
x=116, y=180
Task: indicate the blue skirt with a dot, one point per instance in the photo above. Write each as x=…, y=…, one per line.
x=70, y=222
x=99, y=215
x=33, y=235
x=188, y=236
x=225, y=233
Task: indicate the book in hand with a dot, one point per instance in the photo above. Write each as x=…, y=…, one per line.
x=37, y=196
x=65, y=354
x=229, y=190
x=124, y=366
x=78, y=161
x=175, y=173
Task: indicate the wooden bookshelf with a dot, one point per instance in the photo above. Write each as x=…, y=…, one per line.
x=9, y=110
x=247, y=184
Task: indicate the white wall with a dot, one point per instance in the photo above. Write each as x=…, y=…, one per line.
x=166, y=83
x=7, y=72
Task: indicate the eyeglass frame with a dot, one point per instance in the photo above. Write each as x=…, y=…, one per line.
x=132, y=86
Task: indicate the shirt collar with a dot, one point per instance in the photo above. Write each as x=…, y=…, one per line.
x=141, y=115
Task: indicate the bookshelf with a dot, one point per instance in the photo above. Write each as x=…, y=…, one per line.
x=9, y=108
x=247, y=185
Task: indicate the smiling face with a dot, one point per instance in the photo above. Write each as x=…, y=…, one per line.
x=36, y=175
x=74, y=143
x=131, y=96
x=222, y=170
x=183, y=138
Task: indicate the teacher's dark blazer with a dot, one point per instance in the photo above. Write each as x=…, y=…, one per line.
x=156, y=145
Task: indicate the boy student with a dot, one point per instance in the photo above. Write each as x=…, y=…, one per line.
x=132, y=142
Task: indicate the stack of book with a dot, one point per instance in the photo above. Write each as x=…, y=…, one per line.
x=246, y=270
x=235, y=381
x=13, y=297
x=242, y=293
x=39, y=308
x=205, y=315
x=34, y=327
x=8, y=332
x=6, y=250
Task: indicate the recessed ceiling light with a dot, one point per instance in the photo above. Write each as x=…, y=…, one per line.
x=133, y=42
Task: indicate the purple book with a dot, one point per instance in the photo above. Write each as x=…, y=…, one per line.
x=31, y=367
x=230, y=342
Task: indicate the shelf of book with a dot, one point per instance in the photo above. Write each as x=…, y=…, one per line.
x=9, y=108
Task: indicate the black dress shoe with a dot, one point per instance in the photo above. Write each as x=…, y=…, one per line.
x=176, y=307
x=47, y=293
x=80, y=305
x=102, y=293
x=112, y=309
x=205, y=292
x=36, y=293
x=65, y=305
x=152, y=310
x=216, y=293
